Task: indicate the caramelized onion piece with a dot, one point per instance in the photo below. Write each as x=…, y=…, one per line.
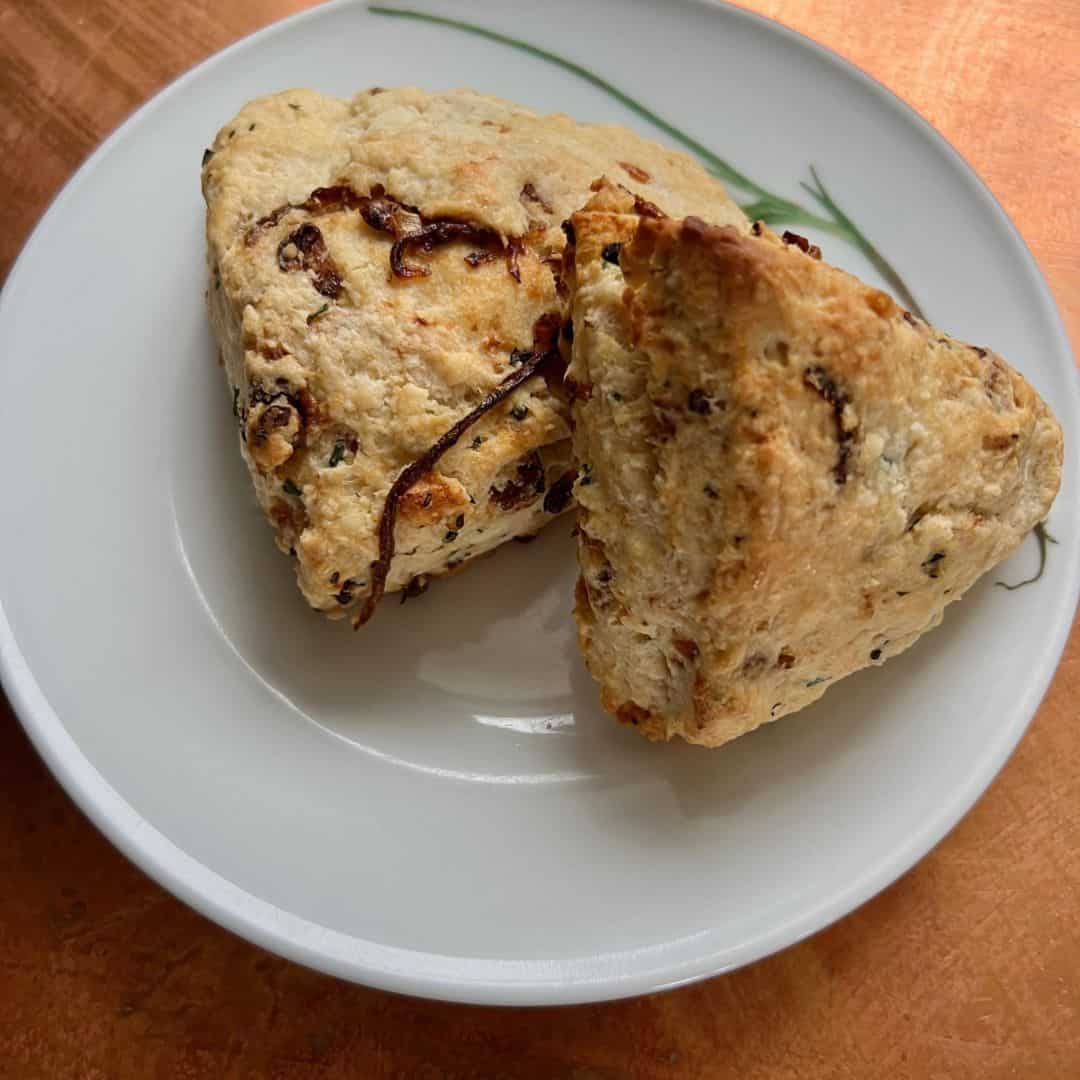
x=305, y=249
x=432, y=235
x=644, y=208
x=819, y=380
x=529, y=192
x=804, y=245
x=543, y=352
x=410, y=230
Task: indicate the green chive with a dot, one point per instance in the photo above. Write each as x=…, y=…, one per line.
x=766, y=206
x=1044, y=538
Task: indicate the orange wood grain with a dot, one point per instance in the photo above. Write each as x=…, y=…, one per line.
x=967, y=967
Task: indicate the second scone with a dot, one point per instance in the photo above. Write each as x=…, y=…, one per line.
x=784, y=477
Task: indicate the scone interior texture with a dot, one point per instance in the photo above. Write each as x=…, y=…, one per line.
x=379, y=269
x=784, y=476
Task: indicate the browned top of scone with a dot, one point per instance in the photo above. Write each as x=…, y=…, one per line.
x=789, y=475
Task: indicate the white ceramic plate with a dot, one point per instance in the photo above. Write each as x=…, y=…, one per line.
x=436, y=805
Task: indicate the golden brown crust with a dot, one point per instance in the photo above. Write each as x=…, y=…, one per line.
x=789, y=476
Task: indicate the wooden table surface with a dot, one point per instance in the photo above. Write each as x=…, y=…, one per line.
x=967, y=967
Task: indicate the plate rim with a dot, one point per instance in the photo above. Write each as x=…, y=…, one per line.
x=503, y=982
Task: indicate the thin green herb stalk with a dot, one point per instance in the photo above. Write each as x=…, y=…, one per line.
x=1044, y=538
x=716, y=164
x=781, y=212
x=767, y=207
x=855, y=235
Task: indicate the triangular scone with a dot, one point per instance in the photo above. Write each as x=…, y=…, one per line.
x=385, y=281
x=783, y=476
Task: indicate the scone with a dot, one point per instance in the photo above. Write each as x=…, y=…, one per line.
x=386, y=288
x=784, y=476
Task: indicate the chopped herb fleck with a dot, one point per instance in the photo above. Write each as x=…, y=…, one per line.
x=611, y=253
x=698, y=402
x=875, y=654
x=818, y=681
x=337, y=455
x=711, y=491
x=931, y=566
x=519, y=412
x=460, y=521
x=293, y=106
x=450, y=537
x=519, y=356
x=477, y=442
x=335, y=577
x=290, y=488
x=616, y=396
x=236, y=401
x=251, y=127
x=317, y=314
x=207, y=154
x=585, y=479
